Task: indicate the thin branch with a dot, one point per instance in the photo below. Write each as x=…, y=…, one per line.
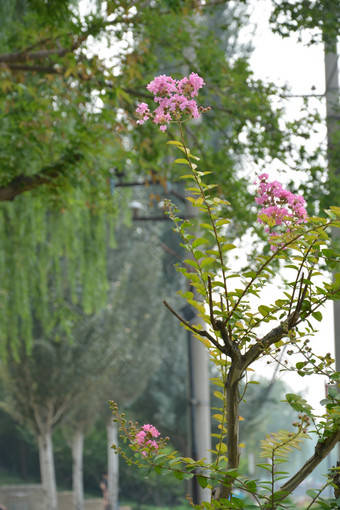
x=211, y=307
x=35, y=68
x=267, y=262
x=21, y=56
x=301, y=298
x=201, y=332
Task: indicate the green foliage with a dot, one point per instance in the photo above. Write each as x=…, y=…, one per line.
x=235, y=317
x=59, y=97
x=51, y=263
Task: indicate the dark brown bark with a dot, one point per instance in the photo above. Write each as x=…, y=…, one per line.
x=23, y=183
x=26, y=56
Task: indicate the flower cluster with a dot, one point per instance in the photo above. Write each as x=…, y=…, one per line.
x=146, y=439
x=279, y=204
x=174, y=99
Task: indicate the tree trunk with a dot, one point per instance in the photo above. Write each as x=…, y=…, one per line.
x=233, y=430
x=47, y=472
x=112, y=466
x=77, y=470
x=201, y=409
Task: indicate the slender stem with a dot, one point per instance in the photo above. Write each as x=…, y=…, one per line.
x=272, y=479
x=299, y=272
x=200, y=332
x=188, y=245
x=225, y=417
x=209, y=213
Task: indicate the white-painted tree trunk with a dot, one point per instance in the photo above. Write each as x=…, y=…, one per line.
x=47, y=471
x=201, y=408
x=77, y=470
x=112, y=465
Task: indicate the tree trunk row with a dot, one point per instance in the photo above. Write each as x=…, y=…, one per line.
x=48, y=479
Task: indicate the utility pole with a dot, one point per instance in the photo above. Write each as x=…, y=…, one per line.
x=333, y=126
x=199, y=416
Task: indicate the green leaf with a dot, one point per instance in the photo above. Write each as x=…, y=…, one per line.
x=228, y=246
x=182, y=161
x=311, y=493
x=301, y=364
x=206, y=226
x=219, y=223
x=205, y=262
x=219, y=417
x=337, y=280
x=264, y=310
x=238, y=502
x=202, y=481
x=199, y=241
x=317, y=315
x=178, y=474
x=191, y=262
x=265, y=466
x=188, y=476
x=221, y=447
x=174, y=142
x=251, y=486
x=219, y=395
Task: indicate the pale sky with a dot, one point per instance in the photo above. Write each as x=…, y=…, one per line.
x=283, y=61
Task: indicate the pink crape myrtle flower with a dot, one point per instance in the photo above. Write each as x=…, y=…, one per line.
x=162, y=86
x=144, y=113
x=145, y=439
x=151, y=429
x=279, y=204
x=191, y=85
x=174, y=99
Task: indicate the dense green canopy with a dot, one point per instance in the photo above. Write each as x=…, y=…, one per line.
x=71, y=78
x=71, y=75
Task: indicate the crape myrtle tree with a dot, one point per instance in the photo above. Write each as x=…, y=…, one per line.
x=66, y=121
x=241, y=325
